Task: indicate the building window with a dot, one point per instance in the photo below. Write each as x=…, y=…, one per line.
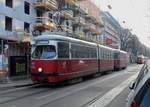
x=27, y=27
x=9, y=3
x=67, y=23
x=27, y=7
x=39, y=13
x=8, y=23
x=50, y=15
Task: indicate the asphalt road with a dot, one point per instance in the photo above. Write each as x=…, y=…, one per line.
x=110, y=89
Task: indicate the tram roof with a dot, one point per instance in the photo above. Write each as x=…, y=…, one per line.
x=121, y=51
x=63, y=38
x=142, y=56
x=106, y=47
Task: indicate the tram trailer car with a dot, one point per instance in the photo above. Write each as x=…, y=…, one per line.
x=56, y=58
x=105, y=58
x=141, y=59
x=121, y=59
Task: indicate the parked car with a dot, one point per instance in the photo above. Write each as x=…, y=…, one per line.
x=139, y=95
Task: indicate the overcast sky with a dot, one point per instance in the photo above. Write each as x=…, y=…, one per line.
x=136, y=14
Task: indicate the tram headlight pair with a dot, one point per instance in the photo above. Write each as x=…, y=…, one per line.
x=40, y=69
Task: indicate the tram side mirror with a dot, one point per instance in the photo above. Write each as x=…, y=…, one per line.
x=131, y=87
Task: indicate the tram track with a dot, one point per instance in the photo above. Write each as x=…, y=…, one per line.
x=16, y=88
x=23, y=89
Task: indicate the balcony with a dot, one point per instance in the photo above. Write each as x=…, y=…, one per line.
x=71, y=2
x=46, y=4
x=67, y=29
x=22, y=35
x=79, y=21
x=90, y=18
x=87, y=28
x=79, y=34
x=43, y=23
x=90, y=27
x=98, y=31
x=67, y=14
x=98, y=22
x=93, y=29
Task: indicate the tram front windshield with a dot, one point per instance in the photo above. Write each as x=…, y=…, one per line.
x=44, y=52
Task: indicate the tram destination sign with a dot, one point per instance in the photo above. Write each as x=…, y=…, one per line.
x=42, y=42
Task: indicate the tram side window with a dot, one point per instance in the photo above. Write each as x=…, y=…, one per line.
x=107, y=54
x=78, y=51
x=102, y=53
x=75, y=51
x=63, y=50
x=115, y=55
x=94, y=53
x=110, y=55
x=81, y=51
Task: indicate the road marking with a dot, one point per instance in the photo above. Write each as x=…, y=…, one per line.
x=109, y=96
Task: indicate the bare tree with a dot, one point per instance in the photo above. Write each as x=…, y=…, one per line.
x=125, y=37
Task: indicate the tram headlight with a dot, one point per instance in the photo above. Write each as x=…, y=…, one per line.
x=40, y=69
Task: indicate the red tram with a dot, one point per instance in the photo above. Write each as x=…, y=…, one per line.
x=57, y=58
x=121, y=59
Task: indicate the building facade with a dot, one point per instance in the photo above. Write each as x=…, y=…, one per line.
x=92, y=19
x=16, y=25
x=111, y=31
x=71, y=17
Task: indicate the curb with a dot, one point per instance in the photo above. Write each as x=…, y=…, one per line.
x=15, y=85
x=16, y=89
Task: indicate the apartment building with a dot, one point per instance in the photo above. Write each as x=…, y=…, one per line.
x=72, y=17
x=16, y=24
x=54, y=16
x=111, y=31
x=93, y=26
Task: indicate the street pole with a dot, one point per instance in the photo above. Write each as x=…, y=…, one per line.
x=2, y=73
x=4, y=63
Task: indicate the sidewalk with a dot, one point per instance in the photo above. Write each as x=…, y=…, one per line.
x=16, y=83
